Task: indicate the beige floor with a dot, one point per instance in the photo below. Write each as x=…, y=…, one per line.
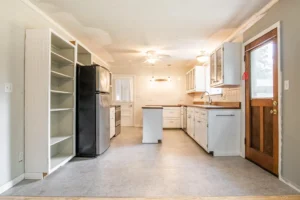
x=191, y=198
x=177, y=167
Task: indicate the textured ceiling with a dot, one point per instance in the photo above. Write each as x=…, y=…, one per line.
x=119, y=31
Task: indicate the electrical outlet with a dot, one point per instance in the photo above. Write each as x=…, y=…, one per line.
x=21, y=156
x=286, y=85
x=8, y=87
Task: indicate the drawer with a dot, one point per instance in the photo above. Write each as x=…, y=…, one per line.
x=171, y=113
x=171, y=123
x=190, y=110
x=201, y=113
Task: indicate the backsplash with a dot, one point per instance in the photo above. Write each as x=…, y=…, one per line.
x=229, y=95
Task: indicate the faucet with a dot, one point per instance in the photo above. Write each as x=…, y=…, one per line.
x=209, y=98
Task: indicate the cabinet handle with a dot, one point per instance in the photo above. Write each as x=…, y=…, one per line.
x=232, y=115
x=199, y=121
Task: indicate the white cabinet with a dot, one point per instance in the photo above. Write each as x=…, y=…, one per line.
x=49, y=102
x=201, y=127
x=225, y=65
x=112, y=122
x=190, y=122
x=216, y=130
x=195, y=80
x=171, y=117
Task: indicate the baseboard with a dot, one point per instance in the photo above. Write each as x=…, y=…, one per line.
x=297, y=188
x=11, y=183
x=34, y=176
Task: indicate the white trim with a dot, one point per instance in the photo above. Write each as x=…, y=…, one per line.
x=34, y=176
x=11, y=183
x=251, y=21
x=49, y=19
x=243, y=122
x=290, y=184
x=134, y=93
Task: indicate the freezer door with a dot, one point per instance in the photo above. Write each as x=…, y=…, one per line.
x=102, y=122
x=102, y=79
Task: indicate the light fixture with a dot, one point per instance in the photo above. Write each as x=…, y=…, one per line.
x=203, y=57
x=151, y=60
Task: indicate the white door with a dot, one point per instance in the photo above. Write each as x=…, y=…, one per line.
x=123, y=95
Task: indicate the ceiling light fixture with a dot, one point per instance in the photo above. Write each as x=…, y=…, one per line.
x=203, y=57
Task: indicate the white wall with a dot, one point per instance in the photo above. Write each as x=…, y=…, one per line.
x=15, y=18
x=157, y=93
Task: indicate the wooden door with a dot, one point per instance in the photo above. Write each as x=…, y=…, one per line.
x=262, y=102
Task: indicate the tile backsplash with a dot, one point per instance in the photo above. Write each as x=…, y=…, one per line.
x=229, y=95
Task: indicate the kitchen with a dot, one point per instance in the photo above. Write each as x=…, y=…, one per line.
x=156, y=99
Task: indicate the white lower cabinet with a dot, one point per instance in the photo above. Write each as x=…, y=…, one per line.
x=112, y=122
x=190, y=122
x=216, y=130
x=171, y=117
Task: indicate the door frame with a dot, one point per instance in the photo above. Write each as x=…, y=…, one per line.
x=134, y=92
x=280, y=85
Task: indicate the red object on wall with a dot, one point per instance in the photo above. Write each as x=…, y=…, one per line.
x=245, y=76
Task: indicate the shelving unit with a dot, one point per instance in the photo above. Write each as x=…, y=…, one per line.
x=84, y=57
x=50, y=102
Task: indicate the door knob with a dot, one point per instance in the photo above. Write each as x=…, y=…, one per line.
x=273, y=111
x=275, y=103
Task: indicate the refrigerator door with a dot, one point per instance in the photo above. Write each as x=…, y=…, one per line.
x=102, y=122
x=102, y=79
x=85, y=112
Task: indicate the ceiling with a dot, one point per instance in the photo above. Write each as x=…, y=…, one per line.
x=121, y=31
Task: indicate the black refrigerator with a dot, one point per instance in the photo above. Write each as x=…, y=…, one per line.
x=92, y=110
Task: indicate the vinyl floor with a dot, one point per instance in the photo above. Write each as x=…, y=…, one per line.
x=177, y=167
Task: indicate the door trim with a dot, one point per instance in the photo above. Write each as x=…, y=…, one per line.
x=243, y=92
x=134, y=92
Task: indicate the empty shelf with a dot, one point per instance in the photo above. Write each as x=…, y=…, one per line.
x=60, y=59
x=57, y=139
x=60, y=109
x=60, y=75
x=59, y=159
x=60, y=92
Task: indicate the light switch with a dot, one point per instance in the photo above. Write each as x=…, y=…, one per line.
x=286, y=85
x=8, y=87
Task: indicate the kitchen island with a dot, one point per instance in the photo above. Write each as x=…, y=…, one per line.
x=152, y=124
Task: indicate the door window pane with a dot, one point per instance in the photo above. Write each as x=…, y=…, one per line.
x=262, y=71
x=123, y=90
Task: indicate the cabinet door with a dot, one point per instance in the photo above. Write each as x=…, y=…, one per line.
x=212, y=68
x=192, y=126
x=203, y=134
x=197, y=131
x=219, y=65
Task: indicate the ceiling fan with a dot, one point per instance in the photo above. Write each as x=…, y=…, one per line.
x=152, y=57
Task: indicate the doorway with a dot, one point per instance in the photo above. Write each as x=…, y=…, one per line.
x=123, y=93
x=261, y=96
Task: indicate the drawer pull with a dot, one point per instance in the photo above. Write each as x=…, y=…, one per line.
x=232, y=115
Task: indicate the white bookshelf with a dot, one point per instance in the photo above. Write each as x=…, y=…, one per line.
x=84, y=56
x=49, y=102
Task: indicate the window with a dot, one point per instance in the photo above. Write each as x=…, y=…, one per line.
x=123, y=89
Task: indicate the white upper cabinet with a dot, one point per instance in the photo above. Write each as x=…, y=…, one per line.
x=195, y=80
x=225, y=65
